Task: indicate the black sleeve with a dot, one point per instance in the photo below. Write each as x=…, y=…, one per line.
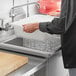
x=57, y=26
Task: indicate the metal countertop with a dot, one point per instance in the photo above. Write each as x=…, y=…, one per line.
x=35, y=63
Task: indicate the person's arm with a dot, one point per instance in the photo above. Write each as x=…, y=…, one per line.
x=57, y=26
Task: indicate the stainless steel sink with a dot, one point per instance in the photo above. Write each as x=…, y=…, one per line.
x=16, y=45
x=16, y=41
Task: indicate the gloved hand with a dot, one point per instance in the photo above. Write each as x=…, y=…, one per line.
x=30, y=28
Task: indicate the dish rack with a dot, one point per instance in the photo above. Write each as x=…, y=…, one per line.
x=50, y=44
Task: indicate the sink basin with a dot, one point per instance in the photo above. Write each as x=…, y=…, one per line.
x=20, y=45
x=17, y=45
x=16, y=41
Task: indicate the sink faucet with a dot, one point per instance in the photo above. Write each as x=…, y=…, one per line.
x=12, y=14
x=7, y=26
x=1, y=25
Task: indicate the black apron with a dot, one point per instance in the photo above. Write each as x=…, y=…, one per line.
x=70, y=13
x=69, y=37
